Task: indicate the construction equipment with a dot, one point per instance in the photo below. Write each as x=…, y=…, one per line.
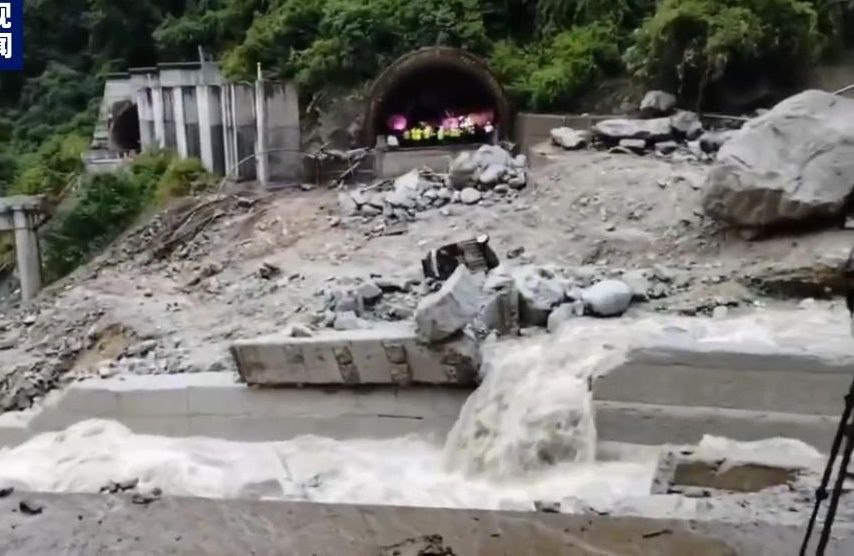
x=844, y=432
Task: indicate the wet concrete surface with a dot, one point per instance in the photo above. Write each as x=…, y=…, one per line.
x=85, y=524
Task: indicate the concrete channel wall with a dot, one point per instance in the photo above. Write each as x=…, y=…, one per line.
x=99, y=524
x=214, y=405
x=677, y=394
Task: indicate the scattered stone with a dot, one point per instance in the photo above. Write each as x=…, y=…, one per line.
x=687, y=124
x=658, y=103
x=347, y=320
x=347, y=300
x=793, y=164
x=520, y=161
x=369, y=291
x=146, y=498
x=442, y=314
x=141, y=348
x=462, y=170
x=268, y=271
x=490, y=155
x=297, y=330
x=563, y=313
x=608, y=298
x=6, y=491
x=491, y=174
x=515, y=253
x=657, y=129
x=30, y=507
x=539, y=292
x=470, y=196
x=547, y=507
x=637, y=146
x=639, y=283
x=570, y=139
x=666, y=147
x=346, y=205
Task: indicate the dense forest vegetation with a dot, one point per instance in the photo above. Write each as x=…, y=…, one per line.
x=546, y=52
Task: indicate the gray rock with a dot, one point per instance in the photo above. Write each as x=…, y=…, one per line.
x=793, y=164
x=346, y=205
x=570, y=139
x=489, y=155
x=462, y=169
x=666, y=147
x=470, y=196
x=520, y=161
x=635, y=145
x=410, y=181
x=608, y=298
x=442, y=314
x=347, y=321
x=539, y=292
x=347, y=300
x=492, y=174
x=369, y=291
x=687, y=124
x=656, y=129
x=519, y=180
x=658, y=103
x=563, y=313
x=638, y=281
x=401, y=198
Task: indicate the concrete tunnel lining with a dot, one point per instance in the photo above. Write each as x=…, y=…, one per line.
x=418, y=65
x=125, y=127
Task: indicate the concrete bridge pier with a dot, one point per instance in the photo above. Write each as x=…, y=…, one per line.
x=22, y=214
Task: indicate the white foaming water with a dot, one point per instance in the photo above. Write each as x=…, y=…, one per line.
x=404, y=471
x=527, y=433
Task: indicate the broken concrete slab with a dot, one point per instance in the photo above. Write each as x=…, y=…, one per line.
x=388, y=355
x=442, y=314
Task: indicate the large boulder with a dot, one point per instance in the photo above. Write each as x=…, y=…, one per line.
x=794, y=163
x=462, y=170
x=657, y=103
x=613, y=130
x=608, y=298
x=442, y=314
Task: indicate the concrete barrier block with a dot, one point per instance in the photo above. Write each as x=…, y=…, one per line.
x=388, y=355
x=153, y=403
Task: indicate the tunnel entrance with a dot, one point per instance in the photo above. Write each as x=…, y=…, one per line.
x=433, y=97
x=124, y=129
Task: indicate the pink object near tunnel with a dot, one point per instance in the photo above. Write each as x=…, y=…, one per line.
x=396, y=122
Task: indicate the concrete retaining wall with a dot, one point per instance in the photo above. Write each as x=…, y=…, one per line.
x=678, y=394
x=212, y=404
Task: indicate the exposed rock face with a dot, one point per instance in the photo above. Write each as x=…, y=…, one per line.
x=795, y=163
x=621, y=128
x=570, y=139
x=442, y=314
x=656, y=103
x=609, y=298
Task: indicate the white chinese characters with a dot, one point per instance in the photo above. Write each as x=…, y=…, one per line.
x=6, y=46
x=5, y=15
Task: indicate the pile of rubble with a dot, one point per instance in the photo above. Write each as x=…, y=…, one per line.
x=664, y=130
x=486, y=175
